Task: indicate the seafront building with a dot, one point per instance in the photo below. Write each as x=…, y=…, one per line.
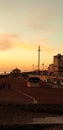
x=58, y=64
x=51, y=69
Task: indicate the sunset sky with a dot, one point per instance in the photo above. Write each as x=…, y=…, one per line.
x=26, y=24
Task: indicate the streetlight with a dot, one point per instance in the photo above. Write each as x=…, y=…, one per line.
x=33, y=67
x=43, y=67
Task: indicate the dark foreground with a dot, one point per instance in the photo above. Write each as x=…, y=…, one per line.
x=17, y=108
x=17, y=116
x=32, y=127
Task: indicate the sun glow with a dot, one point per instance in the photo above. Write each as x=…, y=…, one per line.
x=26, y=25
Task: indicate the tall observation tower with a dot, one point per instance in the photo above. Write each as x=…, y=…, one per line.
x=39, y=59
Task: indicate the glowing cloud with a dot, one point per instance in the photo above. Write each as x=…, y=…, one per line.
x=10, y=41
x=6, y=41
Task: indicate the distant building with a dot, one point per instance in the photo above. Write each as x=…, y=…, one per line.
x=51, y=68
x=16, y=72
x=58, y=64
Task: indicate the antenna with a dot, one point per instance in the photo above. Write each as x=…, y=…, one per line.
x=39, y=59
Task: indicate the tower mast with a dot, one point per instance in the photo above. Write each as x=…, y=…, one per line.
x=39, y=59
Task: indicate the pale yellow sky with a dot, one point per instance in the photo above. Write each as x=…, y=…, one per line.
x=26, y=24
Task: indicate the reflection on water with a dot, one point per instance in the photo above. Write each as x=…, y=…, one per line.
x=48, y=120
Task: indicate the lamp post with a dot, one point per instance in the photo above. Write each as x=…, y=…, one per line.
x=43, y=67
x=33, y=67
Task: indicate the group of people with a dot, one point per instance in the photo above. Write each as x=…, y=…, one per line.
x=4, y=85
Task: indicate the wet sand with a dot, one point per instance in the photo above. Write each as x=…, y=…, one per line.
x=11, y=114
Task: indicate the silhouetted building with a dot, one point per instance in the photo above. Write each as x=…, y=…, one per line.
x=16, y=72
x=51, y=69
x=58, y=64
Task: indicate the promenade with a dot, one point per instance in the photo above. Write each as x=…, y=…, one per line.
x=19, y=92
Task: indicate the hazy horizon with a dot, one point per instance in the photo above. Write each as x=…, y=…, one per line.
x=26, y=24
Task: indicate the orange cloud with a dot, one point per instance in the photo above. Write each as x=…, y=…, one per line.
x=8, y=35
x=5, y=44
x=9, y=41
x=6, y=41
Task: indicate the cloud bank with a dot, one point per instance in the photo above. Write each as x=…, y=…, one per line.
x=7, y=41
x=12, y=41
